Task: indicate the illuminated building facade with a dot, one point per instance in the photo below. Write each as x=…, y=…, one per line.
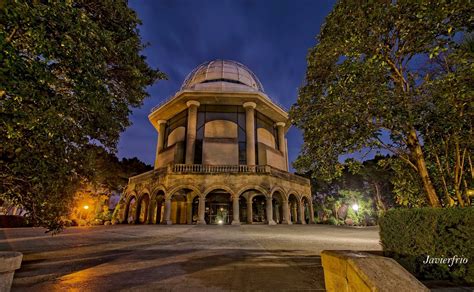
x=221, y=156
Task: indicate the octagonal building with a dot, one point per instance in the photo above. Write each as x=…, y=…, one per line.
x=221, y=156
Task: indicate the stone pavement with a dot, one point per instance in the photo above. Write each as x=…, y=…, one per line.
x=179, y=257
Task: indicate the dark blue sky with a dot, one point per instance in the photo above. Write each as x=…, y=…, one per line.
x=272, y=38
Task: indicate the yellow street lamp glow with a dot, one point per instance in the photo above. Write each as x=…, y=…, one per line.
x=86, y=207
x=220, y=222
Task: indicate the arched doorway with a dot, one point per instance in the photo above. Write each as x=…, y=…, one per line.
x=178, y=208
x=142, y=211
x=130, y=211
x=277, y=201
x=159, y=207
x=218, y=207
x=259, y=202
x=306, y=210
x=293, y=206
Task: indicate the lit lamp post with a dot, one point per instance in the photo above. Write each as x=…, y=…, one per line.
x=86, y=207
x=355, y=207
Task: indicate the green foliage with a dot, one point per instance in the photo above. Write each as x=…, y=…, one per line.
x=389, y=75
x=369, y=183
x=110, y=174
x=407, y=188
x=69, y=73
x=410, y=235
x=335, y=209
x=334, y=221
x=365, y=213
x=105, y=214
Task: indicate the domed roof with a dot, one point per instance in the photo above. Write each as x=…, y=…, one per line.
x=222, y=71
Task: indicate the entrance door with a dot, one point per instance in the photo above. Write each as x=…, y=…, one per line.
x=218, y=208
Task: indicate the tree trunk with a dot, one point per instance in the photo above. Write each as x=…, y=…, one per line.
x=378, y=198
x=417, y=154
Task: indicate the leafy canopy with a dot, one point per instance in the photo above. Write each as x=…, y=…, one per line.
x=374, y=82
x=69, y=73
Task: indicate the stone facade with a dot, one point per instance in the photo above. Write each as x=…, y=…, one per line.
x=221, y=157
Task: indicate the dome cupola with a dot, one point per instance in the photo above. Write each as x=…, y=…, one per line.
x=223, y=74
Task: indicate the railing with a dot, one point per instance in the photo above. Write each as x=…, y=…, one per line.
x=202, y=168
x=210, y=169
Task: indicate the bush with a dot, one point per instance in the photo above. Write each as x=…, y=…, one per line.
x=410, y=235
x=97, y=222
x=334, y=221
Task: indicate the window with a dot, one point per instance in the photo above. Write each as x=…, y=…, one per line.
x=180, y=120
x=265, y=122
x=233, y=113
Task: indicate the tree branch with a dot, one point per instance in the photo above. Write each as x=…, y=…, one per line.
x=398, y=153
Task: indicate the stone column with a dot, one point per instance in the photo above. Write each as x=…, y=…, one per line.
x=311, y=213
x=161, y=140
x=150, y=212
x=168, y=211
x=235, y=211
x=249, y=211
x=250, y=131
x=286, y=213
x=301, y=210
x=159, y=205
x=281, y=139
x=202, y=211
x=191, y=131
x=276, y=212
x=294, y=212
x=269, y=213
x=189, y=212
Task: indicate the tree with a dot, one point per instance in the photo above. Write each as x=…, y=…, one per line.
x=369, y=84
x=109, y=175
x=69, y=73
x=448, y=130
x=370, y=182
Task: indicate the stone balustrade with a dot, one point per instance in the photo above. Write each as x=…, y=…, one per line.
x=216, y=169
x=202, y=168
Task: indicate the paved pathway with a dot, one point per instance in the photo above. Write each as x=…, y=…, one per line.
x=179, y=257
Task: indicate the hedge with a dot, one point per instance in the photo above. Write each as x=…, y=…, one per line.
x=410, y=235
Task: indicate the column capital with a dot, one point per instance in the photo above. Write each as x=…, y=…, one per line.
x=190, y=103
x=280, y=124
x=159, y=122
x=249, y=104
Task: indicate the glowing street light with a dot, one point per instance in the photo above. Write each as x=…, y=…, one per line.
x=355, y=207
x=220, y=222
x=86, y=207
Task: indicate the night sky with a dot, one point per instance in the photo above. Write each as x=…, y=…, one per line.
x=271, y=38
